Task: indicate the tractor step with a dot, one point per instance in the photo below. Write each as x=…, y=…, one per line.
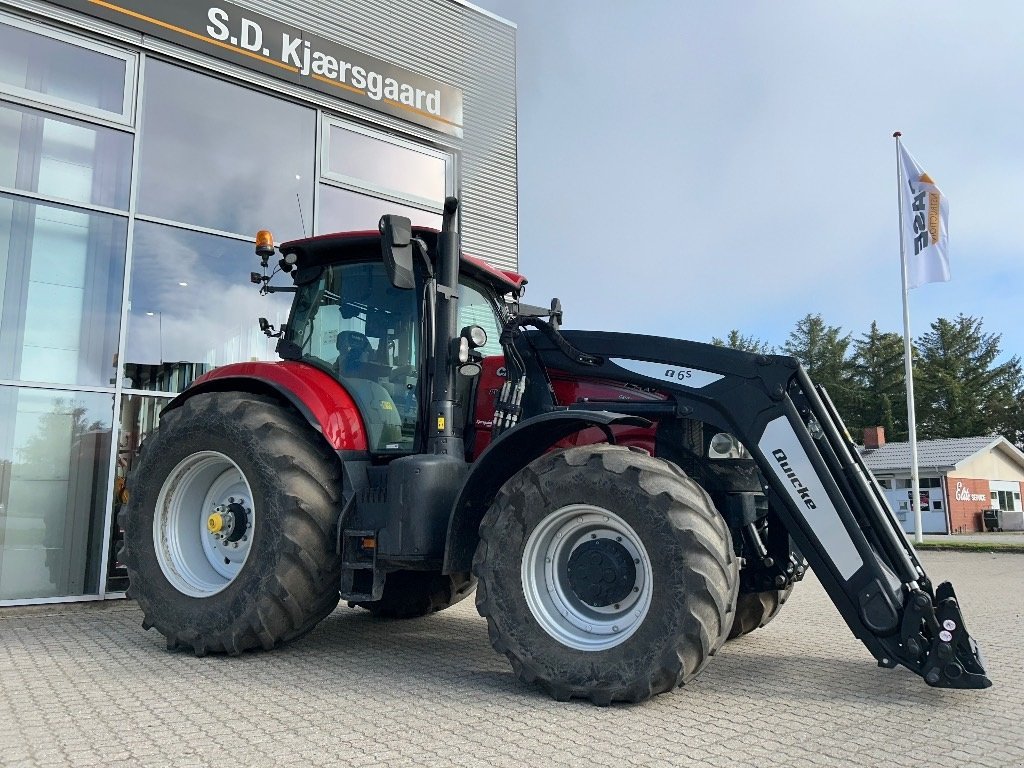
x=361, y=579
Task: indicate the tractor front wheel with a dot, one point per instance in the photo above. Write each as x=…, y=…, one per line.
x=229, y=529
x=605, y=574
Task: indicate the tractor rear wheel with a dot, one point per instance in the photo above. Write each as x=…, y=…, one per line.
x=755, y=609
x=229, y=530
x=605, y=574
x=409, y=594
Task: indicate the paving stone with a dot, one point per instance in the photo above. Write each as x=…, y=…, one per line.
x=85, y=685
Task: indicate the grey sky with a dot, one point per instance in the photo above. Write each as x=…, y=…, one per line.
x=690, y=167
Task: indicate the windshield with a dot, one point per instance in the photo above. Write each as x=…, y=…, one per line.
x=349, y=319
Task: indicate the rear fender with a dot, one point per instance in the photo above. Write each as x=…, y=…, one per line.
x=512, y=451
x=321, y=399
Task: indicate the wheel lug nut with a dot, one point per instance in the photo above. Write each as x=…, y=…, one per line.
x=593, y=535
x=618, y=538
x=616, y=605
x=636, y=561
x=636, y=589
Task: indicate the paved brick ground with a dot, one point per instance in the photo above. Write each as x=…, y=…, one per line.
x=86, y=686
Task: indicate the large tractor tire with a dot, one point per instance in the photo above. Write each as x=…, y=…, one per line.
x=605, y=574
x=229, y=530
x=410, y=594
x=755, y=609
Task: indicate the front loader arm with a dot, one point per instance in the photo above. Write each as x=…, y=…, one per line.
x=815, y=480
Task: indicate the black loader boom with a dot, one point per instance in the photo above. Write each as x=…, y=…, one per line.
x=813, y=476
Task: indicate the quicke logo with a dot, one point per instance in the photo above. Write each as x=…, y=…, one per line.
x=801, y=489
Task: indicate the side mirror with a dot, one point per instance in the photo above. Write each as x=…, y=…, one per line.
x=396, y=248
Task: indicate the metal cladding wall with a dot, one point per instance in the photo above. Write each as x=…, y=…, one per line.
x=464, y=48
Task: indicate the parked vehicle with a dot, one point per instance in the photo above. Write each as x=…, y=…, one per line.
x=623, y=504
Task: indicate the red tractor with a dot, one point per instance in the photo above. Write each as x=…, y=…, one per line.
x=622, y=504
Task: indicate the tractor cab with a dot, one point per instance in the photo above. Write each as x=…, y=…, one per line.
x=352, y=318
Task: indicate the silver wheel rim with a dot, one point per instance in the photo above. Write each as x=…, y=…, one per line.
x=554, y=603
x=197, y=561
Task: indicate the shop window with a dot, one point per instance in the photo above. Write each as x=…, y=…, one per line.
x=221, y=156
x=193, y=308
x=64, y=158
x=54, y=459
x=140, y=416
x=342, y=210
x=61, y=272
x=376, y=164
x=64, y=70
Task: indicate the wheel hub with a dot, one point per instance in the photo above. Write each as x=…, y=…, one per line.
x=228, y=522
x=601, y=572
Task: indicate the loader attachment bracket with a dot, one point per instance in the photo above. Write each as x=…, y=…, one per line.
x=948, y=657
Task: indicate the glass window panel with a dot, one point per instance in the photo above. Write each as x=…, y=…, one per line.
x=61, y=272
x=222, y=156
x=62, y=71
x=345, y=211
x=352, y=322
x=64, y=158
x=193, y=307
x=54, y=458
x=476, y=309
x=140, y=415
x=385, y=165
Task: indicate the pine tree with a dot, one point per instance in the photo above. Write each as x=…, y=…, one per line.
x=960, y=389
x=737, y=340
x=880, y=376
x=823, y=351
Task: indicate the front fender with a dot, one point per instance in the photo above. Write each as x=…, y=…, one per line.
x=321, y=399
x=512, y=451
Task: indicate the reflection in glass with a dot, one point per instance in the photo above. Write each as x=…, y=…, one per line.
x=193, y=307
x=218, y=155
x=64, y=158
x=344, y=211
x=61, y=272
x=61, y=70
x=385, y=165
x=54, y=454
x=140, y=416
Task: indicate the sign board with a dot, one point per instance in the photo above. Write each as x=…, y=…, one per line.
x=263, y=44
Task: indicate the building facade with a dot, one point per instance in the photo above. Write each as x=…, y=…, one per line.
x=142, y=145
x=959, y=478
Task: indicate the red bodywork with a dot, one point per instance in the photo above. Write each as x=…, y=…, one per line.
x=566, y=390
x=327, y=403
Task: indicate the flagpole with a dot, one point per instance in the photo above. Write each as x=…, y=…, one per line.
x=908, y=358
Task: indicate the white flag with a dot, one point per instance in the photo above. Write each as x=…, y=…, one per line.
x=925, y=225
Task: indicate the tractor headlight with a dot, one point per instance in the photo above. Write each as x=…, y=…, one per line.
x=725, y=446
